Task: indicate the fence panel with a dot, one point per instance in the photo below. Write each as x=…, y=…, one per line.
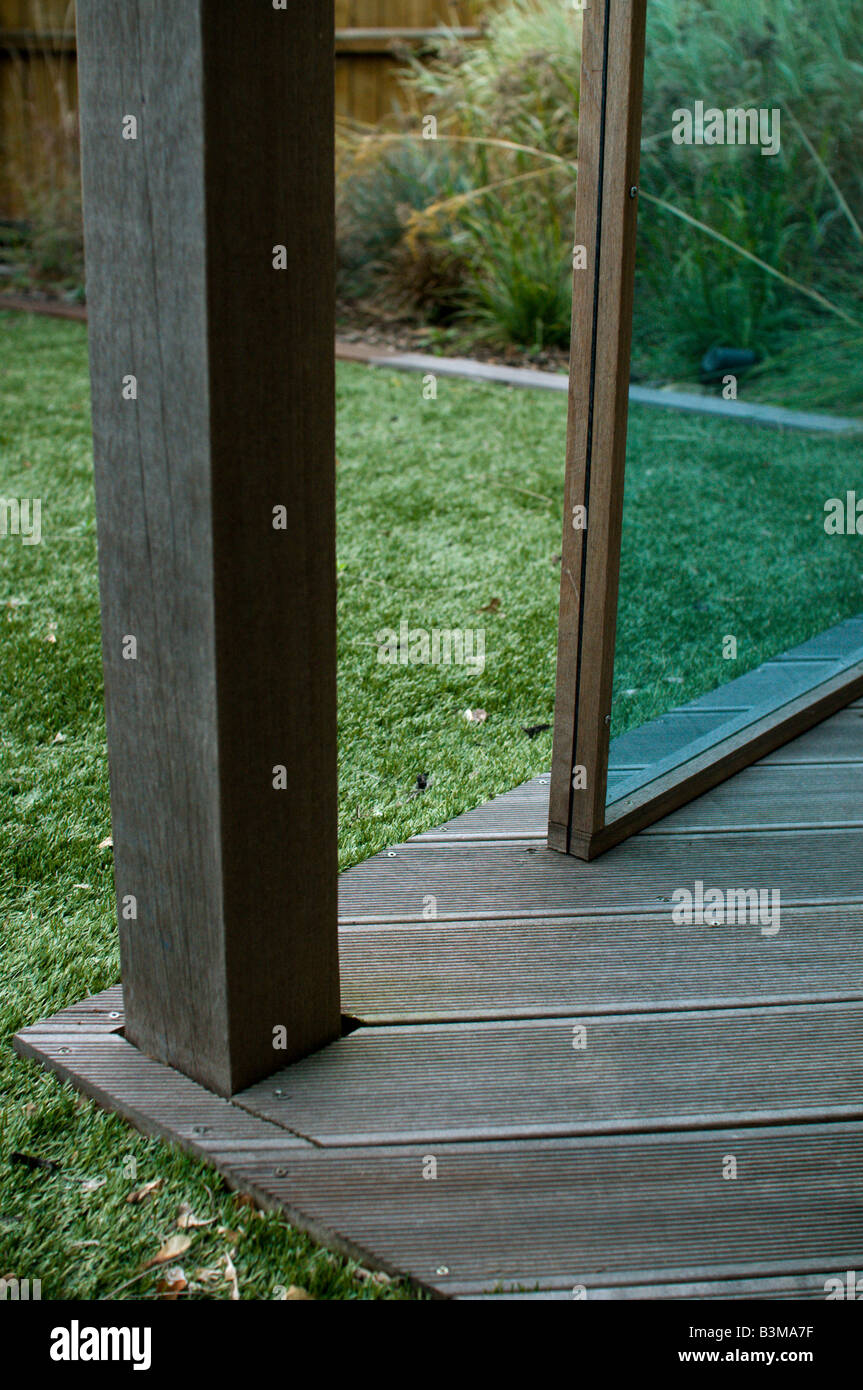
x=39, y=88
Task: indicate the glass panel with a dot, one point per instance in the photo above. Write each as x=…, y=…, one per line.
x=740, y=539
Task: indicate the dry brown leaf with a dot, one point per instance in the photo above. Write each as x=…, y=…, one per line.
x=292, y=1293
x=231, y=1278
x=142, y=1193
x=173, y=1283
x=372, y=1276
x=93, y=1184
x=107, y=843
x=492, y=606
x=187, y=1220
x=174, y=1246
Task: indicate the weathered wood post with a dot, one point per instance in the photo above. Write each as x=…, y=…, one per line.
x=207, y=132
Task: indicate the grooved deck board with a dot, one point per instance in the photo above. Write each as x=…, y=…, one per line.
x=617, y=1214
x=605, y=1212
x=153, y=1097
x=701, y=1069
x=600, y=1167
x=764, y=796
x=803, y=1286
x=806, y=867
x=512, y=967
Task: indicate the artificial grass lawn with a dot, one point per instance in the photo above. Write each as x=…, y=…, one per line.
x=446, y=505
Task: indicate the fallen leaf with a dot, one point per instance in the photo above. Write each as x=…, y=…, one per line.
x=475, y=716
x=107, y=843
x=292, y=1293
x=141, y=1193
x=373, y=1276
x=208, y=1276
x=59, y=738
x=172, y=1284
x=93, y=1184
x=533, y=729
x=176, y=1245
x=187, y=1219
x=491, y=607
x=231, y=1278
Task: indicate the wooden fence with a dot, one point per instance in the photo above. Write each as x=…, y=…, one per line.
x=39, y=83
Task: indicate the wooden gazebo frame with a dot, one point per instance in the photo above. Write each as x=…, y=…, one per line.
x=210, y=253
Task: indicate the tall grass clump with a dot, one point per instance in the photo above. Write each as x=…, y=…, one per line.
x=798, y=212
x=735, y=248
x=501, y=219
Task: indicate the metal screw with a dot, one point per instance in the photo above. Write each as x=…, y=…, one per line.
x=391, y=854
x=114, y=1015
x=543, y=781
x=64, y=1051
x=200, y=1129
x=442, y=1269
x=633, y=192
x=280, y=1172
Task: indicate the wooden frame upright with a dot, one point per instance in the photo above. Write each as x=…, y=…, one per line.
x=580, y=821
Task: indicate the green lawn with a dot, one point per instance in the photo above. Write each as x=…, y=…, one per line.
x=447, y=508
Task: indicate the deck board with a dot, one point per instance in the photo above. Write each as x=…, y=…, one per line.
x=511, y=968
x=767, y=796
x=701, y=1069
x=558, y=1167
x=473, y=880
x=616, y=1211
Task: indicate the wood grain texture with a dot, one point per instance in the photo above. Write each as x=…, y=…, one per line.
x=525, y=1079
x=616, y=1213
x=234, y=620
x=606, y=216
x=517, y=967
x=485, y=881
x=766, y=796
x=600, y=1166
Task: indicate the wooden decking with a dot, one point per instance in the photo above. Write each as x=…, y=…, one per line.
x=581, y=1074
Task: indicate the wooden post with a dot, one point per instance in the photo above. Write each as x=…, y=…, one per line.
x=207, y=132
x=608, y=161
